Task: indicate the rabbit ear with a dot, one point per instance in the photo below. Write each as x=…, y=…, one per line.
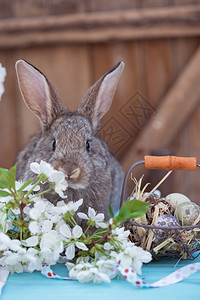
x=98, y=98
x=38, y=93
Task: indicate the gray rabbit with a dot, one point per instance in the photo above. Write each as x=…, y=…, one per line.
x=69, y=140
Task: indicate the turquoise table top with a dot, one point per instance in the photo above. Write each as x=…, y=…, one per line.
x=33, y=286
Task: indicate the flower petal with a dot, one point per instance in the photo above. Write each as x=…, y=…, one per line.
x=30, y=242
x=66, y=231
x=77, y=232
x=33, y=227
x=35, y=168
x=101, y=224
x=81, y=246
x=47, y=226
x=70, y=251
x=107, y=246
x=82, y=216
x=99, y=217
x=91, y=213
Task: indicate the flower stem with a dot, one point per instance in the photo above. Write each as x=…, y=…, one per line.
x=40, y=194
x=37, y=182
x=86, y=230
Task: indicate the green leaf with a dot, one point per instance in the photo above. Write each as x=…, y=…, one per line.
x=4, y=193
x=12, y=177
x=25, y=185
x=4, y=183
x=111, y=213
x=5, y=171
x=131, y=209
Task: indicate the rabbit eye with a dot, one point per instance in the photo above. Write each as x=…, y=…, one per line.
x=54, y=145
x=87, y=146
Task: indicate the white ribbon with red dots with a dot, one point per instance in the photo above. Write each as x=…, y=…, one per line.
x=182, y=273
x=131, y=276
x=48, y=272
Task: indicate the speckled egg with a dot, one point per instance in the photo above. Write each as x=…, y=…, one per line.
x=164, y=209
x=176, y=199
x=187, y=213
x=155, y=196
x=167, y=220
x=164, y=221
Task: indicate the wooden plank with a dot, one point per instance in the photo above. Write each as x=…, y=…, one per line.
x=101, y=27
x=175, y=108
x=8, y=118
x=159, y=69
x=187, y=141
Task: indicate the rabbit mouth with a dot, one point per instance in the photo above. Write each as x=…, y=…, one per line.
x=74, y=178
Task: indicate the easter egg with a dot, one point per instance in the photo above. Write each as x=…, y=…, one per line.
x=167, y=220
x=176, y=199
x=164, y=221
x=152, y=198
x=187, y=213
x=164, y=208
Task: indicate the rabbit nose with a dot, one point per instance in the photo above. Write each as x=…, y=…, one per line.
x=74, y=174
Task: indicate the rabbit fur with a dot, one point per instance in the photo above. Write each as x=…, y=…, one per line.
x=69, y=140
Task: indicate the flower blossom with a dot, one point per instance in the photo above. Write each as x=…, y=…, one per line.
x=21, y=261
x=7, y=244
x=131, y=256
x=51, y=247
x=85, y=272
x=2, y=79
x=72, y=236
x=57, y=177
x=96, y=218
x=62, y=207
x=121, y=234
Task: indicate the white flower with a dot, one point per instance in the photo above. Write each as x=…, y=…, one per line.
x=60, y=186
x=107, y=266
x=74, y=206
x=47, y=226
x=72, y=236
x=121, y=234
x=85, y=272
x=92, y=215
x=2, y=78
x=62, y=207
x=21, y=261
x=51, y=247
x=30, y=242
x=51, y=241
x=54, y=176
x=132, y=256
x=40, y=207
x=107, y=246
x=7, y=244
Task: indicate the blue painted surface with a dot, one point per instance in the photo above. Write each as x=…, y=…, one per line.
x=27, y=286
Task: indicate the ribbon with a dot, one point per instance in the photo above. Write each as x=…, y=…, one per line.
x=177, y=276
x=131, y=276
x=48, y=272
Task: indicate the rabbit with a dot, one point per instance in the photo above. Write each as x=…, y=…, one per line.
x=69, y=141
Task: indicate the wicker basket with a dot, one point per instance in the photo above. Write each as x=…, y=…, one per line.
x=162, y=241
x=174, y=241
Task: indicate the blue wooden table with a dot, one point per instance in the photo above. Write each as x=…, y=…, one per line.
x=33, y=286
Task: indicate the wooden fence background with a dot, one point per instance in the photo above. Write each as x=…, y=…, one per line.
x=157, y=105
